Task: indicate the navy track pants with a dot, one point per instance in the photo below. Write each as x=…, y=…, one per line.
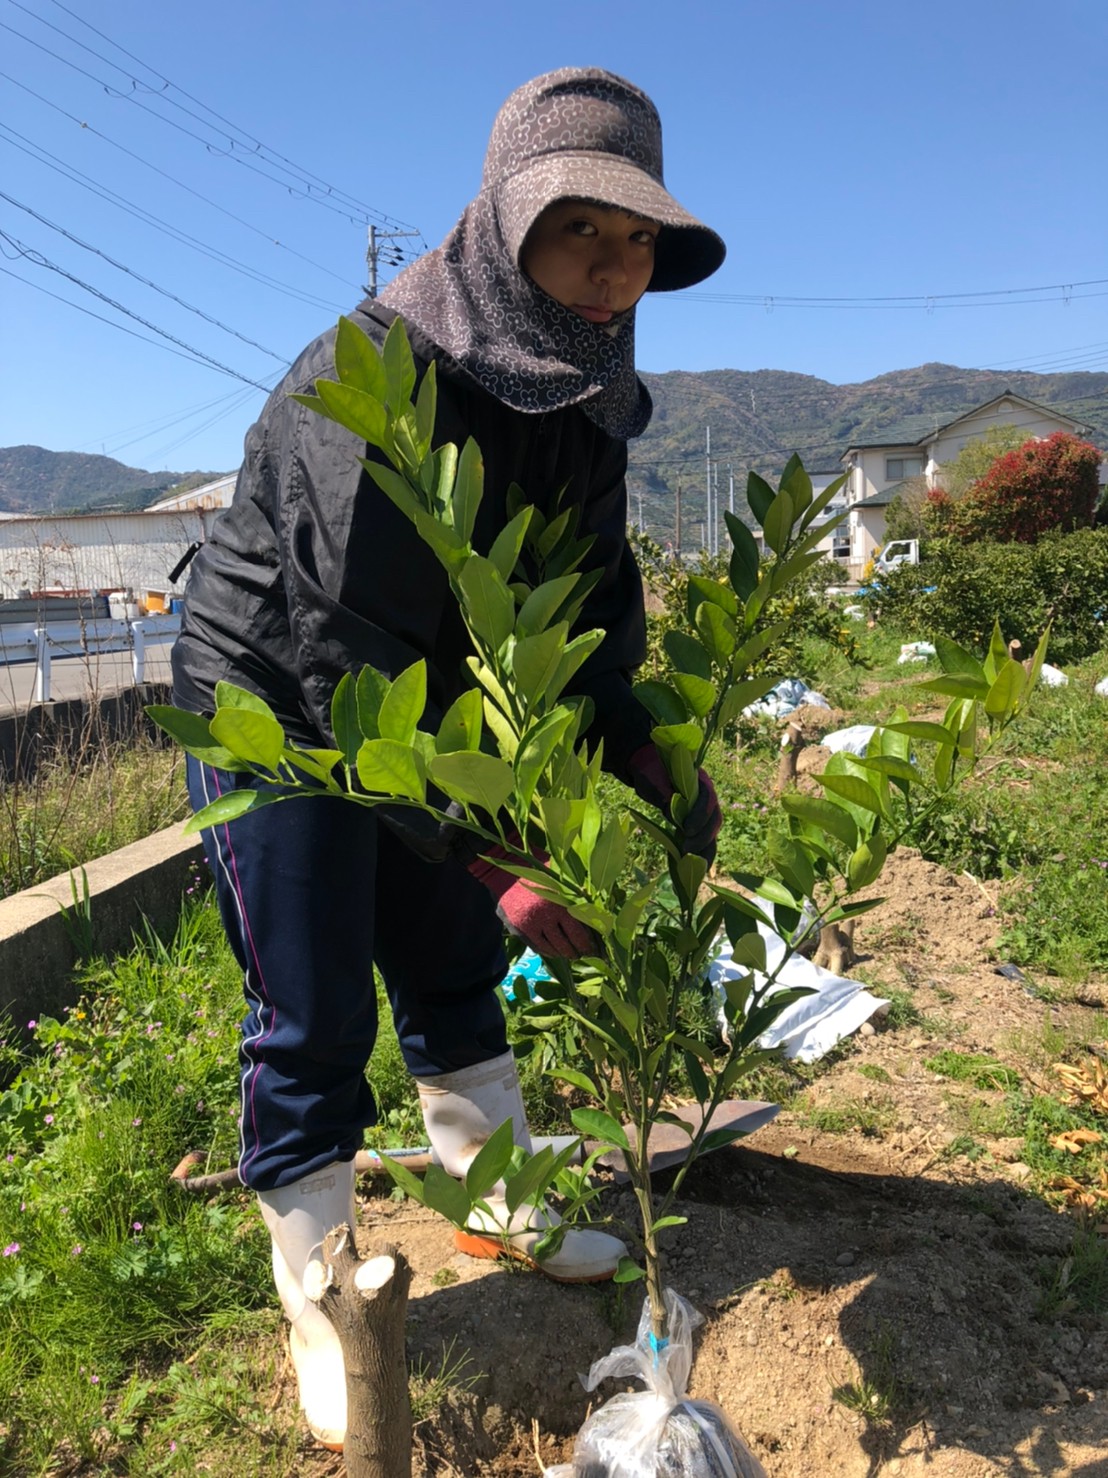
x=312, y=892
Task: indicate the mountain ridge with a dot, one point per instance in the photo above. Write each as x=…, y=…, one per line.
x=757, y=419
x=34, y=480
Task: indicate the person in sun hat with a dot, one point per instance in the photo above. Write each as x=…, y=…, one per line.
x=527, y=310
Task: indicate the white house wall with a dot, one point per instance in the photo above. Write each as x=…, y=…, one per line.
x=111, y=551
x=867, y=470
x=971, y=428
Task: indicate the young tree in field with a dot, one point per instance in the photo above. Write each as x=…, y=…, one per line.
x=1039, y=486
x=510, y=765
x=907, y=513
x=977, y=456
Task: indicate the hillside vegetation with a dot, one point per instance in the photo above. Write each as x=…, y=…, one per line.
x=758, y=418
x=34, y=480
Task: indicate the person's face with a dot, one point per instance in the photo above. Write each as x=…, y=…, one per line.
x=593, y=259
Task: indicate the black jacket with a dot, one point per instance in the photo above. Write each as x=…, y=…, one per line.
x=313, y=572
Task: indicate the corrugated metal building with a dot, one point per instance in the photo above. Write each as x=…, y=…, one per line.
x=215, y=494
x=100, y=551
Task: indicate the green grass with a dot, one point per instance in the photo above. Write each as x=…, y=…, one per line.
x=110, y=1273
x=848, y=1116
x=139, y=1331
x=111, y=793
x=972, y=1067
x=1078, y=1283
x=874, y=1072
x=880, y=1393
x=429, y=1387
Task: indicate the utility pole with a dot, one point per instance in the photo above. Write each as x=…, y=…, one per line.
x=731, y=494
x=678, y=530
x=642, y=526
x=715, y=510
x=373, y=251
x=708, y=506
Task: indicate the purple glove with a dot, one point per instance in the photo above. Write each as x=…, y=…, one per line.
x=548, y=928
x=652, y=784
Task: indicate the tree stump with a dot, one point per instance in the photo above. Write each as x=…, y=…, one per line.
x=367, y=1302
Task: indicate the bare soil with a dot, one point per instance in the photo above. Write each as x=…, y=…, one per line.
x=877, y=1263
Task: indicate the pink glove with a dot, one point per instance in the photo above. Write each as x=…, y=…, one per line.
x=652, y=784
x=548, y=928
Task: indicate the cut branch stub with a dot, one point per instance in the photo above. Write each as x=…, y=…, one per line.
x=835, y=951
x=367, y=1302
x=792, y=742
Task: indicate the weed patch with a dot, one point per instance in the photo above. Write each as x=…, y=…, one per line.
x=848, y=1116
x=111, y=792
x=975, y=1068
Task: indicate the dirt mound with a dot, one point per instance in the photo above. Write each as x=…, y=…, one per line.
x=873, y=1301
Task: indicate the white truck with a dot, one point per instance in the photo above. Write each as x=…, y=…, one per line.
x=896, y=552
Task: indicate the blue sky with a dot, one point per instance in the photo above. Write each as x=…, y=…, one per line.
x=949, y=156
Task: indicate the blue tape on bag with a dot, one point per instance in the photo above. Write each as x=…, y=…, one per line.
x=656, y=1346
x=526, y=973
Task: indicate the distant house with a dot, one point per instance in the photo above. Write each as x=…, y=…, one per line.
x=876, y=471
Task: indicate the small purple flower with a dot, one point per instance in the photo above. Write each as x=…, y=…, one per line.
x=48, y=1119
x=172, y=1446
x=12, y=1249
x=77, y=1250
x=94, y=1380
x=32, y=1026
x=135, y=1123
x=136, y=1226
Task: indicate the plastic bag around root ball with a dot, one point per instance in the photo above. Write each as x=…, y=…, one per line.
x=659, y=1432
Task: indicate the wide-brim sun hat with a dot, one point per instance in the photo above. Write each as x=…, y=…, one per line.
x=585, y=134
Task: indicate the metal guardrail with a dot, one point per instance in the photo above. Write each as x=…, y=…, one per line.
x=41, y=644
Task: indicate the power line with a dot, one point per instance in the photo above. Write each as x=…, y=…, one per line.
x=157, y=424
x=171, y=446
x=282, y=359
x=87, y=127
x=925, y=302
x=306, y=176
x=226, y=153
x=26, y=146
x=38, y=260
x=237, y=399
x=80, y=308
x=1061, y=356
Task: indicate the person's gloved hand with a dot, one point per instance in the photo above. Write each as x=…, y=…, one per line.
x=652, y=784
x=548, y=928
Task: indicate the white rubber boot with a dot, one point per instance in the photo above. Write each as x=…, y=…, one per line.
x=461, y=1110
x=299, y=1216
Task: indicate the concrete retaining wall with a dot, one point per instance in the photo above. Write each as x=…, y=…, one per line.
x=37, y=953
x=71, y=725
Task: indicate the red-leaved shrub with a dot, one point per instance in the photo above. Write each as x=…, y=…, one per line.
x=1042, y=485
